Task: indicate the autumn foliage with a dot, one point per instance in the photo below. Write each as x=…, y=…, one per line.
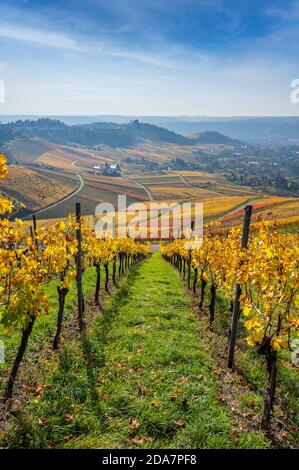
x=27, y=263
x=268, y=272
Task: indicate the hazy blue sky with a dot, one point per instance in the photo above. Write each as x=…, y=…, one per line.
x=170, y=57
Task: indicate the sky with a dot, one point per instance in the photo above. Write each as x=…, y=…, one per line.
x=149, y=57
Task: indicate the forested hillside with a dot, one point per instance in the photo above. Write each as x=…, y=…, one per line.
x=114, y=135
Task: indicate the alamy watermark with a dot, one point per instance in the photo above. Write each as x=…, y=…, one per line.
x=153, y=220
x=295, y=92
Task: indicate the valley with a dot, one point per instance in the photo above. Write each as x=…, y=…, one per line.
x=49, y=176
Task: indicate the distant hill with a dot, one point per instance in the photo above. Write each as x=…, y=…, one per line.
x=108, y=133
x=114, y=135
x=212, y=137
x=264, y=130
x=132, y=132
x=260, y=129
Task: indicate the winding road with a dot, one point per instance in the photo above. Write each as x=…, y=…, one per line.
x=238, y=208
x=145, y=189
x=187, y=183
x=148, y=192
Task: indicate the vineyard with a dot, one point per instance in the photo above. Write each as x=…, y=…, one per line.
x=106, y=347
x=261, y=278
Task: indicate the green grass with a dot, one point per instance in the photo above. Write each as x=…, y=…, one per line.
x=141, y=378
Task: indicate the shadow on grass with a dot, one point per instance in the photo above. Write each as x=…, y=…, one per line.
x=94, y=346
x=90, y=365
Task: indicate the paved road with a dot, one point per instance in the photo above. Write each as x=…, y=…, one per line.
x=148, y=192
x=236, y=209
x=233, y=211
x=187, y=183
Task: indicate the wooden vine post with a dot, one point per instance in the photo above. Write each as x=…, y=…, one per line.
x=236, y=306
x=98, y=284
x=203, y=284
x=106, y=266
x=119, y=266
x=123, y=263
x=189, y=269
x=195, y=280
x=212, y=304
x=34, y=223
x=114, y=272
x=33, y=229
x=79, y=269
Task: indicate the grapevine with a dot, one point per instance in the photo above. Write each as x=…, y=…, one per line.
x=268, y=271
x=28, y=263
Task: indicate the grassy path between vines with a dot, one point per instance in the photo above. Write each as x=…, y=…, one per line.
x=141, y=379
